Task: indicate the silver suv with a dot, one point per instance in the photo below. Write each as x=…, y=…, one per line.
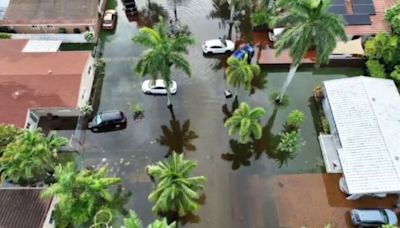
x=373, y=217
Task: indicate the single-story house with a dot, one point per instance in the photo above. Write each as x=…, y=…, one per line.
x=364, y=120
x=23, y=207
x=53, y=16
x=36, y=78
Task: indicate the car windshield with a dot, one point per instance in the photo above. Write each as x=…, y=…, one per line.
x=107, y=21
x=223, y=42
x=97, y=119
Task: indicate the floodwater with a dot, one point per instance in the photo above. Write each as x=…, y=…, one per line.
x=236, y=194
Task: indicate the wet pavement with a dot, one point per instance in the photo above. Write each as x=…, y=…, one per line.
x=235, y=194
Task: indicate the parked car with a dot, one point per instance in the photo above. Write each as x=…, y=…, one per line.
x=108, y=120
x=218, y=46
x=373, y=217
x=109, y=19
x=158, y=87
x=246, y=51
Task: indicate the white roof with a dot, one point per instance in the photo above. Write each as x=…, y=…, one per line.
x=3, y=7
x=367, y=116
x=42, y=46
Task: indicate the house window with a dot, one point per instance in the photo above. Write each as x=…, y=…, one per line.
x=33, y=118
x=83, y=94
x=50, y=27
x=90, y=68
x=35, y=27
x=28, y=125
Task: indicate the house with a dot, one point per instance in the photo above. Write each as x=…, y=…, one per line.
x=37, y=80
x=364, y=120
x=53, y=16
x=23, y=207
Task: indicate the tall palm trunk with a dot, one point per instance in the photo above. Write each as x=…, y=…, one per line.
x=175, y=11
x=232, y=5
x=169, y=104
x=289, y=78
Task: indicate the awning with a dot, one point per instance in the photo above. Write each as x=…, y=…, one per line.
x=351, y=47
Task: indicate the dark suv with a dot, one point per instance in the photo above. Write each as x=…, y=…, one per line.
x=108, y=120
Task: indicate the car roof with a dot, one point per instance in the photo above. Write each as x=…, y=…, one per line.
x=248, y=48
x=111, y=115
x=371, y=215
x=213, y=42
x=108, y=17
x=160, y=82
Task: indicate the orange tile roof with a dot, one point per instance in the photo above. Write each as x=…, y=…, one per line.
x=25, y=81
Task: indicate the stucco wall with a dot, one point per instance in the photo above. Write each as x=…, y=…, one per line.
x=86, y=83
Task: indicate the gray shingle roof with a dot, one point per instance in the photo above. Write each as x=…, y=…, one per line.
x=22, y=208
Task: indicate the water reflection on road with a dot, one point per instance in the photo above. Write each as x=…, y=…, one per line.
x=235, y=194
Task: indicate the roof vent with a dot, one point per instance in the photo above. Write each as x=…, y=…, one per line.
x=50, y=72
x=16, y=94
x=373, y=99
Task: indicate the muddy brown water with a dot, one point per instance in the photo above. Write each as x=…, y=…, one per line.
x=236, y=194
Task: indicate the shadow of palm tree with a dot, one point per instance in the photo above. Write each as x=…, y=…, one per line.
x=149, y=15
x=240, y=154
x=177, y=137
x=259, y=82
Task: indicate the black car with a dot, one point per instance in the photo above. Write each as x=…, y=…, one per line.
x=108, y=120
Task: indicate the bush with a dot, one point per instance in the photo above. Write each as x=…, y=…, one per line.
x=392, y=15
x=318, y=93
x=5, y=35
x=263, y=17
x=62, y=30
x=8, y=134
x=295, y=118
x=87, y=109
x=325, y=125
x=395, y=75
x=285, y=100
x=289, y=142
x=375, y=68
x=137, y=110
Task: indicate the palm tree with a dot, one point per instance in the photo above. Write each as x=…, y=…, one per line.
x=8, y=134
x=246, y=123
x=81, y=194
x=309, y=25
x=176, y=193
x=31, y=157
x=236, y=4
x=241, y=72
x=164, y=52
x=134, y=222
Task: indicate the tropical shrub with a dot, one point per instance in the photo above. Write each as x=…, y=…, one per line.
x=31, y=157
x=263, y=17
x=134, y=222
x=395, y=75
x=137, y=110
x=82, y=194
x=289, y=142
x=285, y=99
x=375, y=68
x=245, y=122
x=385, y=48
x=325, y=125
x=5, y=35
x=87, y=109
x=392, y=15
x=295, y=119
x=8, y=134
x=318, y=93
x=177, y=192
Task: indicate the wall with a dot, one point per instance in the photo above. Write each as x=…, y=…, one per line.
x=52, y=29
x=86, y=83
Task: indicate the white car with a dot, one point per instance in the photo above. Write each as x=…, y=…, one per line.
x=218, y=46
x=158, y=87
x=109, y=19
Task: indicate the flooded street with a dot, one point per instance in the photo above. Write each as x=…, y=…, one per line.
x=236, y=194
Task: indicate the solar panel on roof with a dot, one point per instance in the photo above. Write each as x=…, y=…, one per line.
x=361, y=2
x=357, y=19
x=337, y=2
x=364, y=9
x=338, y=9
